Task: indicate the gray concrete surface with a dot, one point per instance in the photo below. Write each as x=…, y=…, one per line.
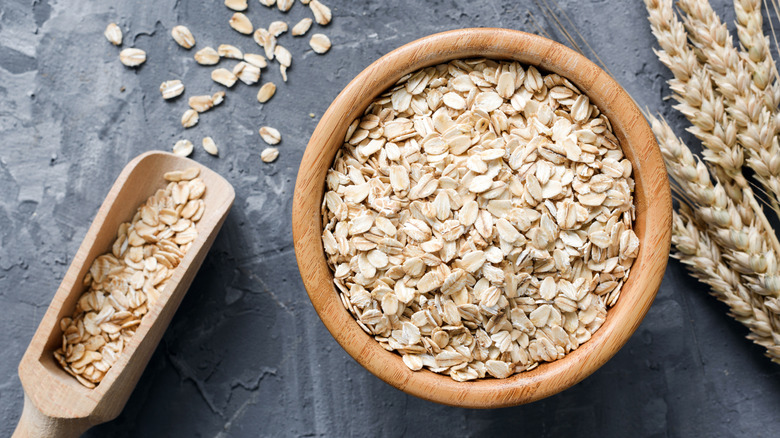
x=246, y=354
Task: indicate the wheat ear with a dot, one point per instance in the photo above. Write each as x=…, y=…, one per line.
x=744, y=242
x=701, y=105
x=693, y=90
x=744, y=101
x=704, y=260
x=756, y=53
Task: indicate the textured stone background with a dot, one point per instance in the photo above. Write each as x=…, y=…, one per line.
x=246, y=355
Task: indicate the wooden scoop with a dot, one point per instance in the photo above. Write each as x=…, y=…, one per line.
x=55, y=404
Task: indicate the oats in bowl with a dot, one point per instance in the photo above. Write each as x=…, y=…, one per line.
x=478, y=218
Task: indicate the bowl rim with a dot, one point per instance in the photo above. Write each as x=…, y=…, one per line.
x=653, y=224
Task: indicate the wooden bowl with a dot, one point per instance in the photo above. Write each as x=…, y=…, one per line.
x=653, y=221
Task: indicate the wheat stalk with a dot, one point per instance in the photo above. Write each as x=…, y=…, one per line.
x=706, y=263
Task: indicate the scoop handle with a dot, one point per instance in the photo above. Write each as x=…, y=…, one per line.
x=35, y=424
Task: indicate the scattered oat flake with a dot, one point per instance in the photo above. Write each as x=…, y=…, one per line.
x=183, y=36
x=283, y=72
x=320, y=43
x=217, y=97
x=277, y=28
x=321, y=12
x=189, y=118
x=268, y=3
x=283, y=56
x=266, y=92
x=207, y=56
x=284, y=5
x=113, y=34
x=210, y=147
x=256, y=60
x=236, y=5
x=230, y=52
x=224, y=77
x=201, y=103
x=132, y=57
x=302, y=27
x=183, y=148
x=270, y=135
x=247, y=73
x=264, y=39
x=269, y=155
x=241, y=24
x=171, y=89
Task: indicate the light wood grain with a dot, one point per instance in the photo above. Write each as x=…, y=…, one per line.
x=55, y=403
x=652, y=197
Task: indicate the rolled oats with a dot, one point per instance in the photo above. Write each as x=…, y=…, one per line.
x=171, y=89
x=283, y=56
x=277, y=28
x=207, y=56
x=478, y=218
x=113, y=34
x=270, y=135
x=236, y=5
x=210, y=146
x=241, y=24
x=230, y=52
x=269, y=155
x=123, y=284
x=320, y=43
x=189, y=119
x=266, y=40
x=266, y=92
x=284, y=5
x=132, y=57
x=256, y=60
x=247, y=73
x=302, y=27
x=183, y=148
x=201, y=103
x=224, y=77
x=183, y=36
x=322, y=14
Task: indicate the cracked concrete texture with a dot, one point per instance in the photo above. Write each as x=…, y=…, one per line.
x=246, y=354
